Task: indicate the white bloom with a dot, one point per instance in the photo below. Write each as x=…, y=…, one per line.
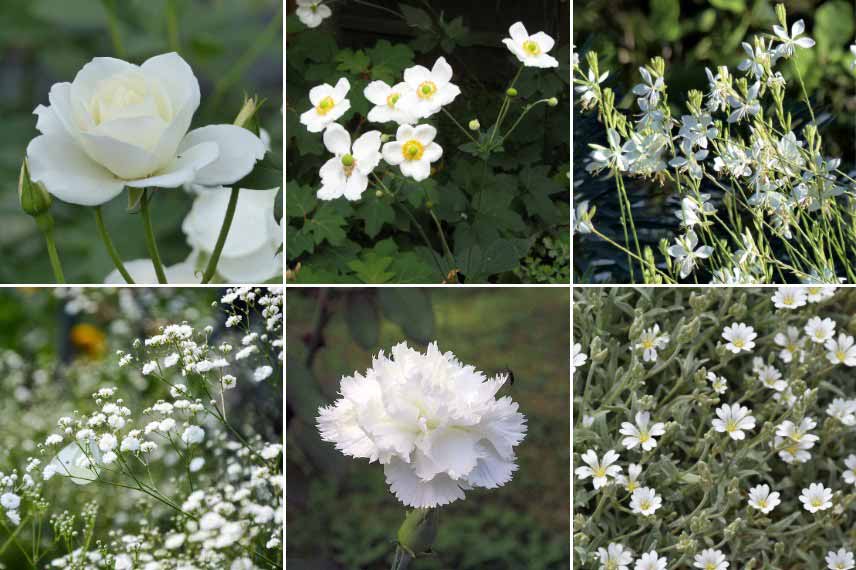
x=820, y=330
x=649, y=90
x=130, y=443
x=107, y=442
x=328, y=104
x=387, y=103
x=651, y=561
x=262, y=373
x=532, y=50
x=718, y=383
x=710, y=559
x=816, y=498
x=740, y=337
x=579, y=357
x=192, y=435
x=733, y=420
x=10, y=501
x=789, y=297
x=786, y=49
x=119, y=124
x=347, y=173
x=428, y=91
x=631, y=481
x=612, y=157
x=433, y=423
x=588, y=91
x=770, y=377
x=645, y=501
x=643, y=433
x=841, y=560
x=53, y=439
x=850, y=474
x=312, y=12
x=843, y=410
x=413, y=150
x=762, y=499
x=614, y=557
x=685, y=253
x=196, y=464
x=598, y=470
x=650, y=341
x=841, y=351
x=792, y=344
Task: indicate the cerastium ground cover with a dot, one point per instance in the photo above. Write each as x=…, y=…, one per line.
x=714, y=428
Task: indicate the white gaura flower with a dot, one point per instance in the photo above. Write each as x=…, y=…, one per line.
x=312, y=12
x=841, y=560
x=599, y=471
x=733, y=420
x=328, y=104
x=651, y=561
x=771, y=378
x=614, y=557
x=790, y=42
x=790, y=297
x=841, y=351
x=532, y=50
x=650, y=341
x=645, y=501
x=816, y=498
x=413, y=150
x=578, y=358
x=710, y=559
x=685, y=253
x=433, y=423
x=820, y=330
x=118, y=124
x=718, y=383
x=428, y=91
x=762, y=499
x=740, y=337
x=387, y=103
x=643, y=433
x=588, y=90
x=631, y=481
x=792, y=344
x=612, y=157
x=850, y=473
x=347, y=173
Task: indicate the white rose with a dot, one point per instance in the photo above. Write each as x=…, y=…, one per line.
x=250, y=254
x=119, y=124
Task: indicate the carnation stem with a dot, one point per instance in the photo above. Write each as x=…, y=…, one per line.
x=415, y=536
x=111, y=249
x=151, y=243
x=211, y=268
x=46, y=225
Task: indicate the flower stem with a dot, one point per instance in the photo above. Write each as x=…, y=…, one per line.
x=46, y=225
x=457, y=124
x=172, y=26
x=108, y=243
x=211, y=268
x=113, y=25
x=151, y=244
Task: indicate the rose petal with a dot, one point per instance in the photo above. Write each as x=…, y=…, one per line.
x=239, y=151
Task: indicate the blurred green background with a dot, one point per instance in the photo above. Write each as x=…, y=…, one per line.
x=691, y=35
x=234, y=48
x=340, y=513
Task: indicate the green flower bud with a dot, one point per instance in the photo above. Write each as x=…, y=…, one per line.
x=474, y=125
x=247, y=115
x=385, y=138
x=552, y=101
x=35, y=200
x=378, y=193
x=429, y=204
x=511, y=92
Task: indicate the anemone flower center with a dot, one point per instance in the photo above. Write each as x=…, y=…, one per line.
x=326, y=105
x=426, y=89
x=531, y=47
x=412, y=150
x=392, y=99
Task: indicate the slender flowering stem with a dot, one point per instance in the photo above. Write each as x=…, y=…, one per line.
x=46, y=225
x=111, y=249
x=151, y=243
x=211, y=268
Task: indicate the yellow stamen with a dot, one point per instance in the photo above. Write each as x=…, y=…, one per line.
x=531, y=47
x=426, y=90
x=392, y=99
x=412, y=150
x=325, y=106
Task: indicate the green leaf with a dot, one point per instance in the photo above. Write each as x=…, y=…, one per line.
x=539, y=187
x=350, y=61
x=411, y=309
x=416, y=17
x=478, y=263
x=410, y=267
x=665, y=19
x=389, y=61
x=375, y=212
x=297, y=242
x=299, y=200
x=736, y=6
x=833, y=26
x=361, y=314
x=372, y=268
x=327, y=225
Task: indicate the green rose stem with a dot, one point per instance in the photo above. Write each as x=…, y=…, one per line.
x=211, y=268
x=46, y=225
x=108, y=243
x=415, y=536
x=172, y=25
x=113, y=25
x=36, y=202
x=151, y=243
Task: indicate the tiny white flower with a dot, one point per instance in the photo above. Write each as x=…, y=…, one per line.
x=262, y=373
x=588, y=91
x=615, y=557
x=850, y=474
x=347, y=173
x=645, y=501
x=770, y=377
x=718, y=383
x=532, y=50
x=740, y=337
x=816, y=498
x=413, y=150
x=790, y=297
x=820, y=330
x=733, y=420
x=579, y=357
x=651, y=561
x=312, y=12
x=193, y=435
x=843, y=410
x=710, y=559
x=328, y=104
x=643, y=433
x=792, y=344
x=841, y=560
x=650, y=341
x=10, y=501
x=762, y=499
x=599, y=471
x=841, y=351
x=107, y=442
x=631, y=481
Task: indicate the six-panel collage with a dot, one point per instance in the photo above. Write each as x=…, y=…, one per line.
x=428, y=285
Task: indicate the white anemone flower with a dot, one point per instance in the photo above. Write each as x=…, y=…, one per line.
x=740, y=337
x=387, y=103
x=312, y=12
x=532, y=50
x=816, y=498
x=651, y=561
x=599, y=470
x=841, y=560
x=435, y=425
x=841, y=351
x=733, y=420
x=644, y=501
x=615, y=557
x=122, y=125
x=328, y=104
x=413, y=150
x=710, y=559
x=428, y=90
x=347, y=173
x=792, y=41
x=643, y=433
x=762, y=499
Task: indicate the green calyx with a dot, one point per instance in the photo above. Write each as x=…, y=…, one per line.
x=35, y=199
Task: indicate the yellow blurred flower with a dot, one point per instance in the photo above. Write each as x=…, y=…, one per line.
x=88, y=339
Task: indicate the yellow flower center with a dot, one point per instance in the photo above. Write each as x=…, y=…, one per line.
x=644, y=436
x=710, y=566
x=645, y=505
x=392, y=99
x=632, y=486
x=816, y=502
x=738, y=342
x=325, y=106
x=426, y=90
x=762, y=504
x=840, y=355
x=730, y=426
x=611, y=565
x=531, y=47
x=600, y=472
x=647, y=344
x=412, y=150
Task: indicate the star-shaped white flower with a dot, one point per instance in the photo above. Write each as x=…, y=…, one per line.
x=599, y=471
x=762, y=499
x=816, y=498
x=740, y=337
x=530, y=50
x=733, y=420
x=644, y=501
x=789, y=43
x=643, y=433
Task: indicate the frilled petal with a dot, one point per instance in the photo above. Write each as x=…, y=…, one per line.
x=68, y=173
x=414, y=492
x=491, y=470
x=338, y=424
x=239, y=150
x=450, y=451
x=183, y=170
